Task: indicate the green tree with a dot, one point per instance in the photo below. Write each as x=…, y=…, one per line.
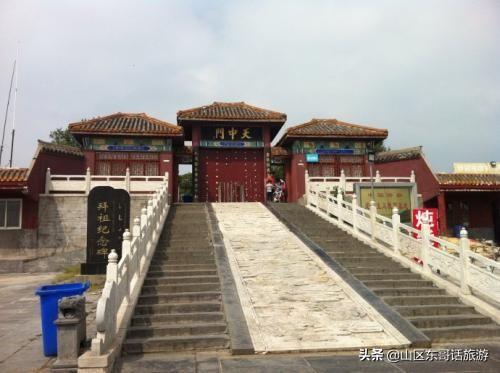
x=381, y=147
x=63, y=137
x=186, y=184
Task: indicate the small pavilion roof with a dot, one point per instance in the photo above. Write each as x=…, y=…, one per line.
x=399, y=154
x=125, y=124
x=331, y=128
x=456, y=181
x=234, y=111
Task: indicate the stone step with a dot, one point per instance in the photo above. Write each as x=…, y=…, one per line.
x=388, y=283
x=178, y=308
x=337, y=253
x=449, y=320
x=361, y=261
x=180, y=288
x=407, y=291
x=176, y=344
x=184, y=248
x=178, y=297
x=435, y=309
x=418, y=300
x=388, y=276
x=188, y=260
x=186, y=279
x=459, y=333
x=176, y=255
x=180, y=267
x=163, y=330
x=192, y=272
x=371, y=270
x=179, y=318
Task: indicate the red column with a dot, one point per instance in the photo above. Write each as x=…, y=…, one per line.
x=443, y=224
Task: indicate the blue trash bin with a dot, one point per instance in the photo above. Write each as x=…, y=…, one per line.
x=49, y=298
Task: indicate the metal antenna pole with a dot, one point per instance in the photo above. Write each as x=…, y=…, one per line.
x=7, y=110
x=14, y=116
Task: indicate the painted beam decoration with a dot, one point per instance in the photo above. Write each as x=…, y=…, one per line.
x=330, y=147
x=127, y=144
x=108, y=215
x=231, y=137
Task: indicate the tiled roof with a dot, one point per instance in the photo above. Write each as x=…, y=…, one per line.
x=62, y=149
x=334, y=128
x=13, y=175
x=464, y=181
x=231, y=111
x=399, y=155
x=126, y=124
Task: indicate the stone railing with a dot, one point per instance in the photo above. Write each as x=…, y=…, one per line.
x=454, y=266
x=83, y=184
x=346, y=183
x=124, y=279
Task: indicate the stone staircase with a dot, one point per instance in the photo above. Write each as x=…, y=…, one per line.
x=180, y=306
x=441, y=317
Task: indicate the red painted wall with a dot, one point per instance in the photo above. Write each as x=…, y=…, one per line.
x=296, y=183
x=427, y=185
x=58, y=163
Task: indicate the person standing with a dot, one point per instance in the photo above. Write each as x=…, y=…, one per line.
x=269, y=190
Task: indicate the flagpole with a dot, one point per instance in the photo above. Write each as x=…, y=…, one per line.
x=7, y=109
x=14, y=114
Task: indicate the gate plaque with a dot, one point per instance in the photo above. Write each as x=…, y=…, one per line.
x=108, y=215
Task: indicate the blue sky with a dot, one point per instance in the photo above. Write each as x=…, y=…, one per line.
x=428, y=71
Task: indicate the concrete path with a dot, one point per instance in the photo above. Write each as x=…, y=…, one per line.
x=291, y=300
x=20, y=330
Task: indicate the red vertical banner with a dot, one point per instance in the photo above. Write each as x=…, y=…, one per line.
x=432, y=217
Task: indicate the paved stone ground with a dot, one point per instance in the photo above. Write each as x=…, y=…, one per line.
x=300, y=363
x=291, y=300
x=20, y=330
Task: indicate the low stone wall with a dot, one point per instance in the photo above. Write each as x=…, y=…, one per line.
x=61, y=237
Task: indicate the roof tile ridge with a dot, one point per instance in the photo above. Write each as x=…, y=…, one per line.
x=303, y=125
x=361, y=126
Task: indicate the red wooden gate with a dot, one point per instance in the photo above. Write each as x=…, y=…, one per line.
x=231, y=175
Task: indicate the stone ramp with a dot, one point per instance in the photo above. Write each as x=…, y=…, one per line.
x=441, y=317
x=291, y=300
x=180, y=306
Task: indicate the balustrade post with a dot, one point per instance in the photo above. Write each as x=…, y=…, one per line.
x=144, y=221
x=306, y=180
x=126, y=258
x=378, y=179
x=342, y=180
x=412, y=176
x=48, y=181
x=373, y=219
x=88, y=181
x=136, y=233
x=127, y=179
x=340, y=211
x=464, y=248
x=126, y=243
x=396, y=221
x=112, y=267
x=355, y=213
x=425, y=233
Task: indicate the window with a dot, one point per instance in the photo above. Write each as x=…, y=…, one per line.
x=139, y=164
x=10, y=213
